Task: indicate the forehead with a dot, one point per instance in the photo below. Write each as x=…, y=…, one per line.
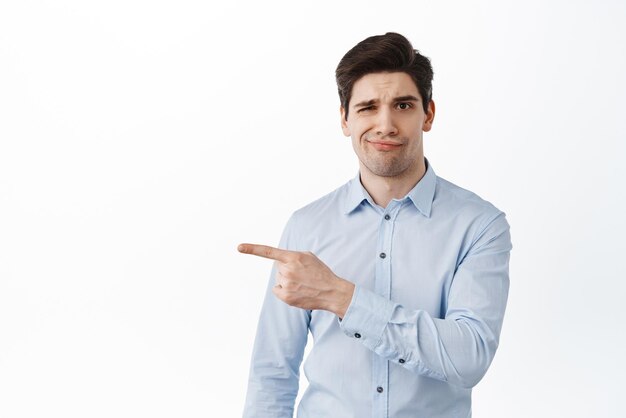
x=383, y=86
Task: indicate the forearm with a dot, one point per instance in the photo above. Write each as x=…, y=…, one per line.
x=452, y=350
x=457, y=348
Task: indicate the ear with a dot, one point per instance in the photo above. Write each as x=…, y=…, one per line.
x=344, y=123
x=430, y=117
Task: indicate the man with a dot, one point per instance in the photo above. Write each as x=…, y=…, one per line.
x=400, y=276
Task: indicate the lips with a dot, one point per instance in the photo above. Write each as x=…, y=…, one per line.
x=385, y=145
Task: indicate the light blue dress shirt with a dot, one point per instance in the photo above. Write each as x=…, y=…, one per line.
x=431, y=276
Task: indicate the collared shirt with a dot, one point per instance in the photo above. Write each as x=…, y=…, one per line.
x=431, y=283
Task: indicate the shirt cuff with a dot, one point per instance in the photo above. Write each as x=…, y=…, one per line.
x=367, y=316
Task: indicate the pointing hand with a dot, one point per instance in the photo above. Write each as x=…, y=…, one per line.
x=304, y=281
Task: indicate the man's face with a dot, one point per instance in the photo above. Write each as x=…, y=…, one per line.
x=386, y=121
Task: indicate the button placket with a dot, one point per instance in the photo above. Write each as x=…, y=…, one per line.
x=380, y=365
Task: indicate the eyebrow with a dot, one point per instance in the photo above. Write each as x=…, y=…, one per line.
x=407, y=98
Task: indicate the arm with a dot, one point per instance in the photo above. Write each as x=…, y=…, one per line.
x=278, y=349
x=459, y=348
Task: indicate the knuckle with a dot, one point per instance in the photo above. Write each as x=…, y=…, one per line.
x=290, y=299
x=302, y=258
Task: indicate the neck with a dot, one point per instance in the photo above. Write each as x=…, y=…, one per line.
x=384, y=189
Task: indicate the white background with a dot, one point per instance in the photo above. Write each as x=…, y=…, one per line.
x=141, y=141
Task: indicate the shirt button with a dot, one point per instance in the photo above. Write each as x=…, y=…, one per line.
x=379, y=389
x=387, y=217
x=382, y=255
x=401, y=361
x=357, y=335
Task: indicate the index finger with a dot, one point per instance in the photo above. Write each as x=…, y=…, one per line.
x=265, y=251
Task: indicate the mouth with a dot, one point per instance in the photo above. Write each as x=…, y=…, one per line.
x=385, y=145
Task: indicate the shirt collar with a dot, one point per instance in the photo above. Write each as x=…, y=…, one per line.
x=421, y=195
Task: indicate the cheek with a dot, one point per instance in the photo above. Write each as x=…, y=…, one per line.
x=357, y=129
x=355, y=144
x=411, y=128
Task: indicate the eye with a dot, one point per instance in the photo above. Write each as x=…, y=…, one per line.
x=404, y=105
x=364, y=109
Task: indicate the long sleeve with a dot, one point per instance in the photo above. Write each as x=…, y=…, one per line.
x=459, y=348
x=278, y=349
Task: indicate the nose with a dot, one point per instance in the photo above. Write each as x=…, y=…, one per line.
x=385, y=123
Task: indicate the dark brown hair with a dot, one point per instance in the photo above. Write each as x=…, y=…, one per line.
x=390, y=53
